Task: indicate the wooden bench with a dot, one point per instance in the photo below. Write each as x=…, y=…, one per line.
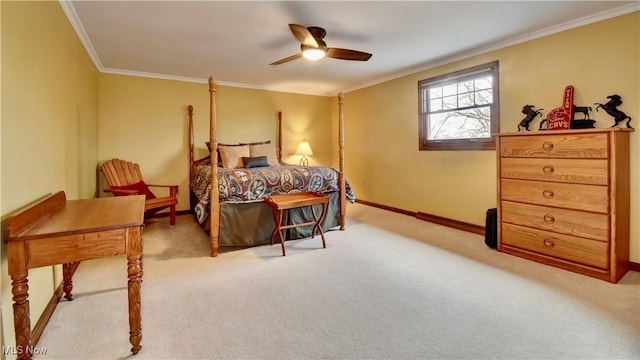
x=280, y=203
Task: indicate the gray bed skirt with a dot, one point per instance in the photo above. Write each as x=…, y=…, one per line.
x=250, y=224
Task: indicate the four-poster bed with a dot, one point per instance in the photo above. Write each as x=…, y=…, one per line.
x=234, y=211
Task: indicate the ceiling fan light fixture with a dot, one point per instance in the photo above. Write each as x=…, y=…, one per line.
x=312, y=53
x=312, y=46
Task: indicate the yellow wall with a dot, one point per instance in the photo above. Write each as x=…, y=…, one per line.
x=383, y=161
x=49, y=122
x=145, y=121
x=52, y=98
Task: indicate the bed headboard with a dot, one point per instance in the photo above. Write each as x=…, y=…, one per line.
x=192, y=159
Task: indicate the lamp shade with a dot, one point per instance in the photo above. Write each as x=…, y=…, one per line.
x=304, y=148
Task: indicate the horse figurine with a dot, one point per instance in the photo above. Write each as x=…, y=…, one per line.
x=611, y=107
x=581, y=109
x=531, y=114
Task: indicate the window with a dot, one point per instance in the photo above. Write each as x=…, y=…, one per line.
x=460, y=110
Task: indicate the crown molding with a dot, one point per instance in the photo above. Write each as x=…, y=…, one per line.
x=70, y=11
x=196, y=80
x=619, y=11
x=71, y=14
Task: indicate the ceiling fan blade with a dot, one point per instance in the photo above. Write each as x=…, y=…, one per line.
x=303, y=35
x=287, y=59
x=346, y=54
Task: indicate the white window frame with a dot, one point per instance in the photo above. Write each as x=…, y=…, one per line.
x=458, y=77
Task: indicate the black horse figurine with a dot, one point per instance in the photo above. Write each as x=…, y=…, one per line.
x=531, y=114
x=581, y=109
x=611, y=107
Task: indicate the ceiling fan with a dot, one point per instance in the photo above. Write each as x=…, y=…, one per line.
x=313, y=47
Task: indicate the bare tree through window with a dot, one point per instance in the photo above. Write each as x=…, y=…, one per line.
x=460, y=110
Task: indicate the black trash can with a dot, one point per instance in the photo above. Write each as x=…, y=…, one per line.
x=491, y=228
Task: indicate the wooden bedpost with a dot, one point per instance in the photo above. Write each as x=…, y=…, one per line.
x=214, y=198
x=341, y=181
x=190, y=115
x=279, y=136
x=190, y=112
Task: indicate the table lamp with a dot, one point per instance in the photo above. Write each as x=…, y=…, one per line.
x=304, y=149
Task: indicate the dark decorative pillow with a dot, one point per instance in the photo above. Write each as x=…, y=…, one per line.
x=140, y=187
x=258, y=161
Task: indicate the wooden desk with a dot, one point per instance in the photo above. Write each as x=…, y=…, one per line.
x=56, y=231
x=280, y=203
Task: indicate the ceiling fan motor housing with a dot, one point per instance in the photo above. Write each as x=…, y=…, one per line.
x=317, y=32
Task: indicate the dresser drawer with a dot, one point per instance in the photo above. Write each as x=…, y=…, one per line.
x=572, y=196
x=570, y=222
x=571, y=248
x=595, y=172
x=556, y=146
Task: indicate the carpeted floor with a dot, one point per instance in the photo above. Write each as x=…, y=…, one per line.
x=388, y=287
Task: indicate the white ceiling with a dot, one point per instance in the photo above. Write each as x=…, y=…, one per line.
x=235, y=41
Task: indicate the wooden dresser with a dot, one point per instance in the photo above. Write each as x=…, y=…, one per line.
x=563, y=199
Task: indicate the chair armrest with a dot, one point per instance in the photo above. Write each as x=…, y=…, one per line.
x=167, y=186
x=121, y=192
x=173, y=189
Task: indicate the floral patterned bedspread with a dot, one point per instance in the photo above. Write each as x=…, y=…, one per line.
x=255, y=183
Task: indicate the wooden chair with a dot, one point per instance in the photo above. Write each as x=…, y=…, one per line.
x=124, y=178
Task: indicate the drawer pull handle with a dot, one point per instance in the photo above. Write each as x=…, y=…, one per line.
x=549, y=219
x=547, y=146
x=548, y=243
x=547, y=194
x=548, y=169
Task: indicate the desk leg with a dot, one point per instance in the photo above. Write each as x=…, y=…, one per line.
x=67, y=281
x=67, y=278
x=20, y=290
x=134, y=270
x=21, y=320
